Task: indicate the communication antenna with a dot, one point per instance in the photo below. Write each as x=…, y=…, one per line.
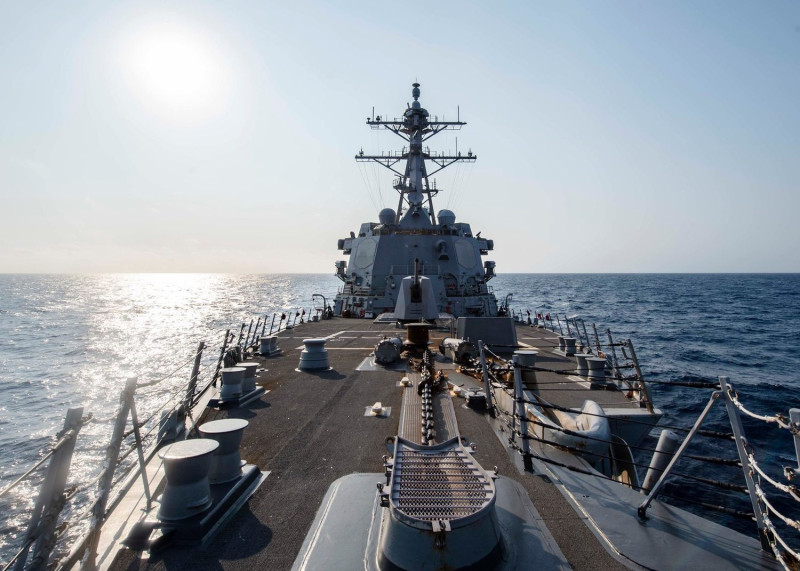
x=415, y=127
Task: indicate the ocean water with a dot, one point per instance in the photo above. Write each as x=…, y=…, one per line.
x=72, y=340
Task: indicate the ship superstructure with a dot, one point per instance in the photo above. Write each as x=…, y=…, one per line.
x=412, y=240
x=556, y=416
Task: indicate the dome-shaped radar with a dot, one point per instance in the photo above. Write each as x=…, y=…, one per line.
x=447, y=217
x=415, y=95
x=386, y=216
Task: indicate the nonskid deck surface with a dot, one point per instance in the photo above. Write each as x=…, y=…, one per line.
x=310, y=429
x=443, y=416
x=558, y=388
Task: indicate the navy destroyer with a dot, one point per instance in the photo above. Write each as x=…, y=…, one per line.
x=412, y=239
x=412, y=424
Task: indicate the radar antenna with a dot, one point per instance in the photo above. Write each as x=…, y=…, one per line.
x=415, y=127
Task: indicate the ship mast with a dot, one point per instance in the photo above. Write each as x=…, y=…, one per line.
x=415, y=127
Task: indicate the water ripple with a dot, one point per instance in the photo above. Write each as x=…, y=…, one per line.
x=73, y=340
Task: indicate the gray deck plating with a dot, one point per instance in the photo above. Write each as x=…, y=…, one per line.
x=693, y=542
x=569, y=391
x=309, y=431
x=444, y=420
x=349, y=544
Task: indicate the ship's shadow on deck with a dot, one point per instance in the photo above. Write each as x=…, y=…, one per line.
x=328, y=374
x=248, y=411
x=228, y=547
x=543, y=357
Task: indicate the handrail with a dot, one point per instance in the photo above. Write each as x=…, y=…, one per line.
x=42, y=526
x=355, y=290
x=16, y=482
x=45, y=515
x=635, y=383
x=762, y=507
x=40, y=535
x=106, y=481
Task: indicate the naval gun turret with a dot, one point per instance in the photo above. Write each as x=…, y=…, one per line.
x=445, y=253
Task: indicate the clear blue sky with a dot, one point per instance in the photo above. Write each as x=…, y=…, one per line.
x=219, y=136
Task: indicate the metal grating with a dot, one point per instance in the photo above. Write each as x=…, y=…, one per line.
x=444, y=417
x=438, y=484
x=411, y=412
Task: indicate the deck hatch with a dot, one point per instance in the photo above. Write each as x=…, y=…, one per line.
x=442, y=482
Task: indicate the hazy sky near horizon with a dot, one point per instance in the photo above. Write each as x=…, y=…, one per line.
x=629, y=136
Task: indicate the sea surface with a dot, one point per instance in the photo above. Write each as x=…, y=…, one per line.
x=73, y=340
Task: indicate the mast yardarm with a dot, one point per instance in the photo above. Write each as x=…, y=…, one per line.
x=415, y=240
x=413, y=184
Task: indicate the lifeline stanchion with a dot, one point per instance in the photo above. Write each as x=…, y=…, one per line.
x=42, y=527
x=221, y=356
x=523, y=426
x=487, y=388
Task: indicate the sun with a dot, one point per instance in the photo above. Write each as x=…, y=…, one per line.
x=175, y=70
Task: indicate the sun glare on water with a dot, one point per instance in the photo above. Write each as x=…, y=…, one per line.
x=175, y=70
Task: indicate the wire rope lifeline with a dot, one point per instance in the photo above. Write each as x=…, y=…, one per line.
x=772, y=542
x=789, y=489
x=709, y=433
x=771, y=509
x=716, y=483
x=63, y=437
x=604, y=477
x=779, y=419
x=566, y=372
x=569, y=432
x=164, y=378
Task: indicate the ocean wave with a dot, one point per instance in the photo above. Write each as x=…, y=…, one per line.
x=101, y=329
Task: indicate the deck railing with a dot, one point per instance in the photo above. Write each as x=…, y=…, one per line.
x=756, y=478
x=509, y=402
x=130, y=435
x=621, y=357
